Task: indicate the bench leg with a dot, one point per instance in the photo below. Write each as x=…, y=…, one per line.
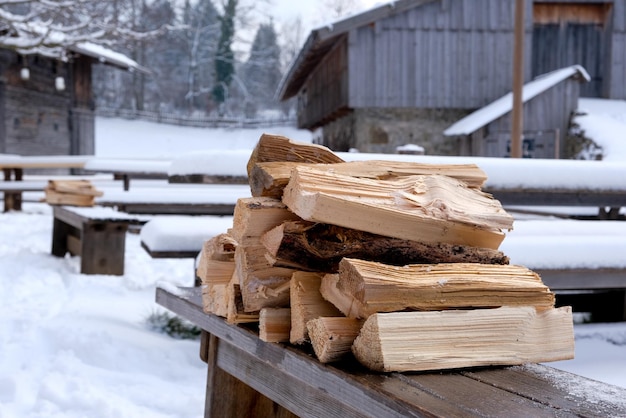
x=60, y=232
x=102, y=248
x=227, y=396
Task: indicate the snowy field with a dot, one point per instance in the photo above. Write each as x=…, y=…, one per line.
x=74, y=345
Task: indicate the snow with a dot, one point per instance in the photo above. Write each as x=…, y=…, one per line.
x=223, y=162
x=503, y=105
x=74, y=345
x=182, y=233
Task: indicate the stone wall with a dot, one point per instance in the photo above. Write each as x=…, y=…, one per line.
x=383, y=130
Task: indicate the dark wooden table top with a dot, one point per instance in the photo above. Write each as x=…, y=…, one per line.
x=293, y=378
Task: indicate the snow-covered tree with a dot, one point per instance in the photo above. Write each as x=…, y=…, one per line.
x=262, y=70
x=50, y=28
x=225, y=58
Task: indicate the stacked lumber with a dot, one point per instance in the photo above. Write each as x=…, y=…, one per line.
x=71, y=193
x=395, y=264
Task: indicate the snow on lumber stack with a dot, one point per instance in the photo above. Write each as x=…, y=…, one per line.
x=71, y=193
x=396, y=263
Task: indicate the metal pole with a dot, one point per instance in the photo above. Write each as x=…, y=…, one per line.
x=518, y=81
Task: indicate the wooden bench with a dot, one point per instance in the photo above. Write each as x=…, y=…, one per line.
x=98, y=235
x=13, y=167
x=249, y=377
x=126, y=169
x=181, y=236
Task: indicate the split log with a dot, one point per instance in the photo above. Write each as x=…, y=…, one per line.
x=320, y=247
x=270, y=178
x=55, y=198
x=332, y=337
x=279, y=148
x=307, y=303
x=362, y=288
x=431, y=208
x=418, y=341
x=275, y=325
x=80, y=187
x=219, y=248
x=255, y=216
x=236, y=313
x=262, y=285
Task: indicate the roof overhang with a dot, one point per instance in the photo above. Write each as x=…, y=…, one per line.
x=108, y=56
x=321, y=40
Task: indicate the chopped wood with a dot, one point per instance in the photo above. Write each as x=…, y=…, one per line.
x=215, y=298
x=275, y=324
x=418, y=341
x=219, y=248
x=279, y=148
x=81, y=187
x=430, y=208
x=320, y=247
x=236, y=313
x=270, y=178
x=307, y=303
x=366, y=287
x=254, y=216
x=70, y=192
x=332, y=337
x=55, y=198
x=262, y=285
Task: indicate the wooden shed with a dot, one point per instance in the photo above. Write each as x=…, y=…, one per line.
x=46, y=104
x=549, y=101
x=403, y=72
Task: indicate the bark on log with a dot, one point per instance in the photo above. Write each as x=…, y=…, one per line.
x=320, y=247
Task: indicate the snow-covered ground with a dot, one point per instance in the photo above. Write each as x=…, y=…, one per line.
x=74, y=345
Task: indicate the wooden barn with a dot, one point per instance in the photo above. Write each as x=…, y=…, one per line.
x=403, y=72
x=549, y=101
x=46, y=104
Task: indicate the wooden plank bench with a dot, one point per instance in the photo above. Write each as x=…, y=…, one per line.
x=98, y=235
x=181, y=236
x=126, y=169
x=249, y=377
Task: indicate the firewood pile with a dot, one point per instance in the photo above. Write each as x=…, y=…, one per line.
x=71, y=193
x=394, y=263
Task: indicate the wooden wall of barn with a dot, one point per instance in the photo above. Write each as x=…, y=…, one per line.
x=326, y=92
x=546, y=120
x=617, y=74
x=448, y=54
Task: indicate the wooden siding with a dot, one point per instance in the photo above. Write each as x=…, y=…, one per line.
x=453, y=54
x=545, y=117
x=325, y=93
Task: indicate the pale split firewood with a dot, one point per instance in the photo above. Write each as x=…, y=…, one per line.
x=275, y=324
x=215, y=299
x=79, y=187
x=53, y=197
x=332, y=337
x=307, y=303
x=218, y=248
x=362, y=288
x=262, y=285
x=320, y=247
x=254, y=216
x=418, y=341
x=270, y=178
x=279, y=148
x=235, y=312
x=429, y=208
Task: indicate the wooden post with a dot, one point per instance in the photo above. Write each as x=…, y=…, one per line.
x=103, y=247
x=518, y=81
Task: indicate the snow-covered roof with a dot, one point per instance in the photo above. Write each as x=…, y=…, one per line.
x=108, y=56
x=321, y=40
x=476, y=120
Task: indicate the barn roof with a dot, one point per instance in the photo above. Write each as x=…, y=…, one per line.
x=476, y=120
x=321, y=40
